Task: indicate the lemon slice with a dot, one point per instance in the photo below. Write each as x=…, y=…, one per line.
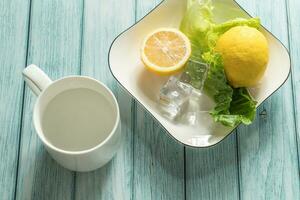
x=165, y=51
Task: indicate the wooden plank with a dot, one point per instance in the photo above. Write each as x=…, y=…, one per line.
x=55, y=45
x=13, y=47
x=267, y=149
x=294, y=41
x=103, y=20
x=213, y=173
x=158, y=159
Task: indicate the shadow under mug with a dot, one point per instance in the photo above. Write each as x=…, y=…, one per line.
x=76, y=117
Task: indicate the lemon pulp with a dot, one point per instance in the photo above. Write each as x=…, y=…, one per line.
x=165, y=51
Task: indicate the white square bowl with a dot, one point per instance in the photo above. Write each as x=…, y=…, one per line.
x=127, y=68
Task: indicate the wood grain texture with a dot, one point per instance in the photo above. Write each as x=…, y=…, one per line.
x=267, y=148
x=101, y=25
x=294, y=41
x=68, y=34
x=54, y=45
x=158, y=159
x=13, y=47
x=213, y=173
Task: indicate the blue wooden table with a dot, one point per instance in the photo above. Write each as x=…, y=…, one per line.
x=67, y=37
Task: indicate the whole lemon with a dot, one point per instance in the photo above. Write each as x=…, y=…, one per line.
x=245, y=55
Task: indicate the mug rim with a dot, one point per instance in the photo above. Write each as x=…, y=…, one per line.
x=51, y=146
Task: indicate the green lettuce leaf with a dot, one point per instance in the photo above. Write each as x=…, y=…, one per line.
x=242, y=109
x=233, y=106
x=216, y=85
x=218, y=29
x=203, y=33
x=196, y=23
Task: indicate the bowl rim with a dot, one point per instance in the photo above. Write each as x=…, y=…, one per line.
x=144, y=108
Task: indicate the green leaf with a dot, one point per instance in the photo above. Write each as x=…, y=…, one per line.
x=218, y=29
x=233, y=106
x=195, y=24
x=198, y=25
x=216, y=85
x=242, y=109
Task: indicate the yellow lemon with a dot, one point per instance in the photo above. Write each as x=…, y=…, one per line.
x=165, y=51
x=245, y=54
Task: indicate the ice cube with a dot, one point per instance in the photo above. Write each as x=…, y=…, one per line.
x=174, y=97
x=195, y=74
x=197, y=111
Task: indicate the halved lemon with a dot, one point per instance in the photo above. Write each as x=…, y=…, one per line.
x=165, y=51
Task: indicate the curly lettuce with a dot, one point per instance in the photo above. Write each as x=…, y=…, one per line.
x=196, y=23
x=200, y=28
x=233, y=105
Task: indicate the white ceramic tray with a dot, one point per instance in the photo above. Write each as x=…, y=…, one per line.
x=129, y=71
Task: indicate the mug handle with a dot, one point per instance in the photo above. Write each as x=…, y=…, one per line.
x=36, y=79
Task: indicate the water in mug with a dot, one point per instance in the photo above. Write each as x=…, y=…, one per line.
x=78, y=119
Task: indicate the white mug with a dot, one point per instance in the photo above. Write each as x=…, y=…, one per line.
x=76, y=117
